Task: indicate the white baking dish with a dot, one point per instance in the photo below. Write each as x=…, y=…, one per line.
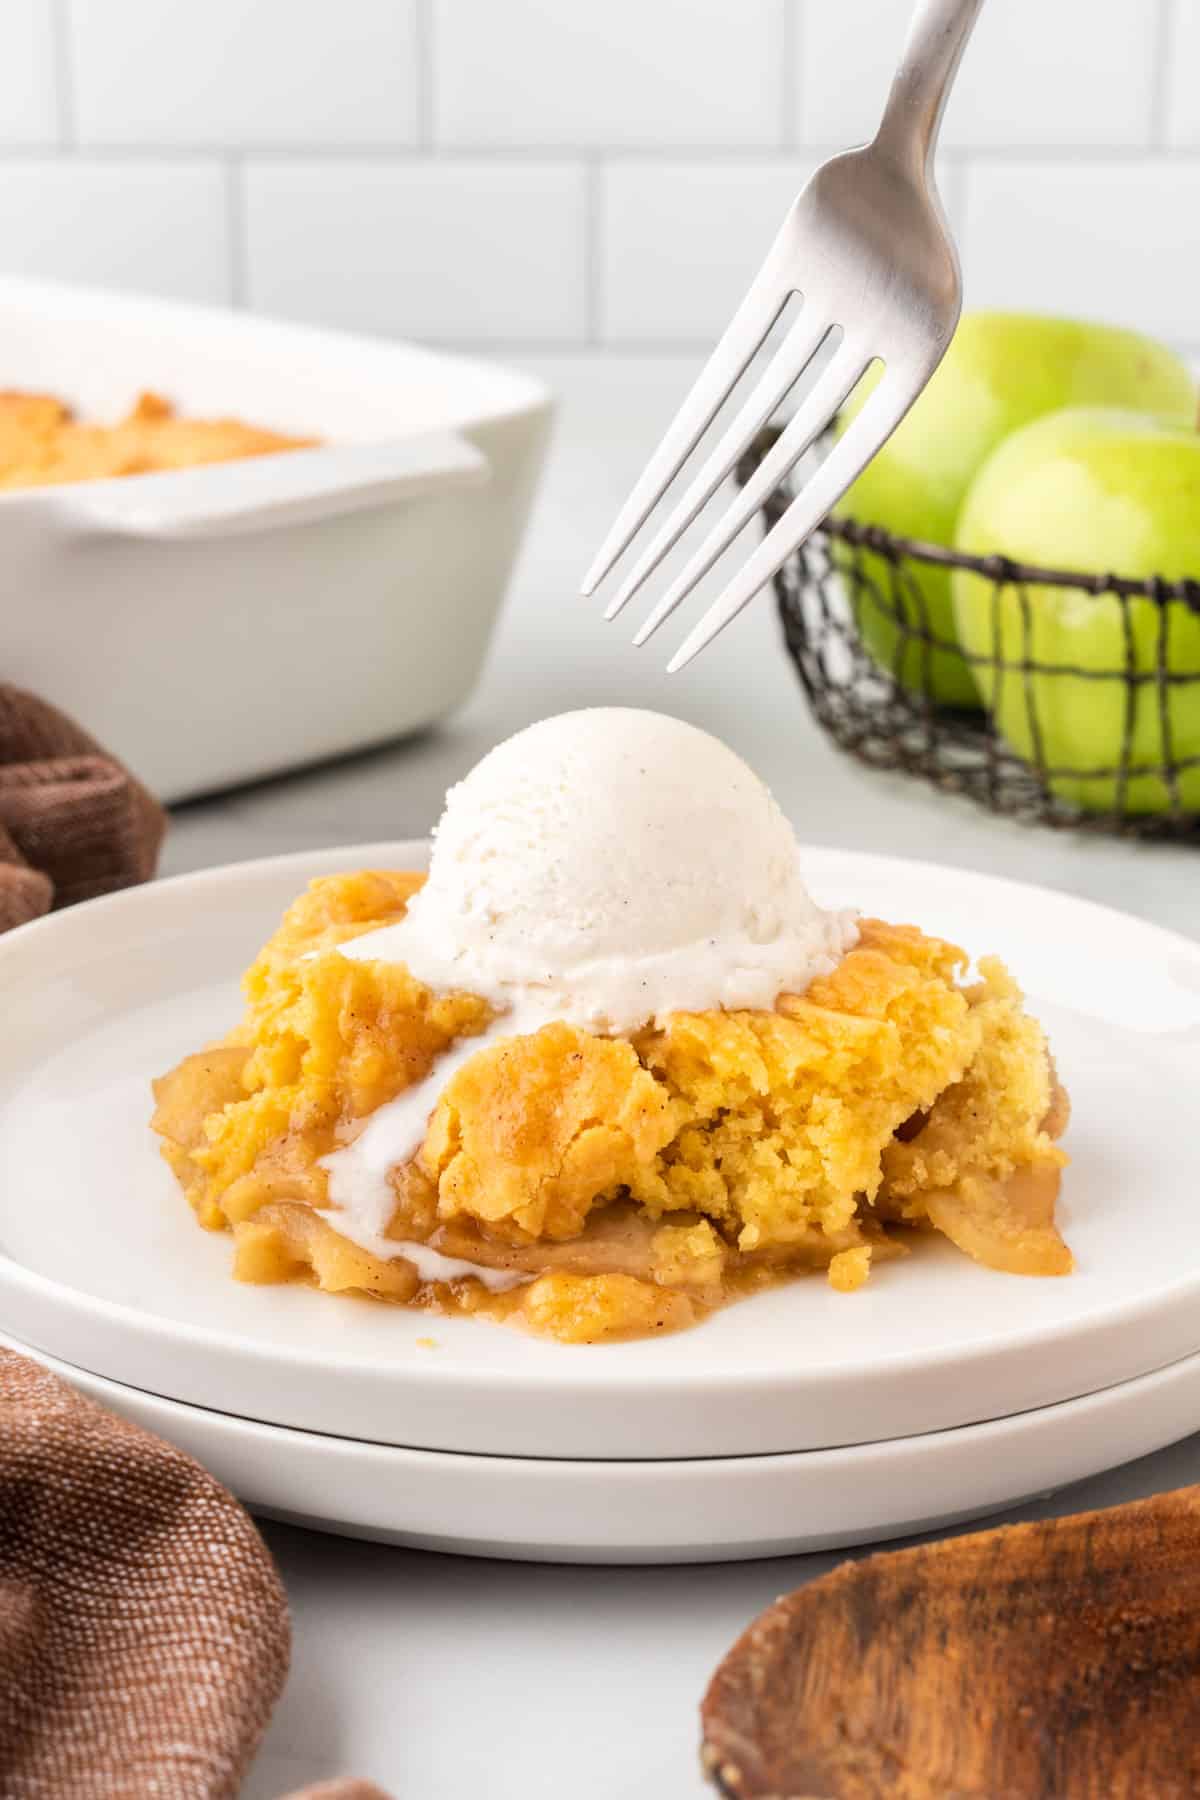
x=215, y=624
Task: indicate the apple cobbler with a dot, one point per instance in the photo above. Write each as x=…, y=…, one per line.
x=43, y=444
x=592, y=1186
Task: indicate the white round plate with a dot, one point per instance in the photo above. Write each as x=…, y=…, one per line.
x=716, y=1509
x=102, y=1264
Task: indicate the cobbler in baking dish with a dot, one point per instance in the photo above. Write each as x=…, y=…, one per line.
x=597, y=1078
x=43, y=444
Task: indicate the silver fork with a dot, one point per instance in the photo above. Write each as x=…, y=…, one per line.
x=866, y=247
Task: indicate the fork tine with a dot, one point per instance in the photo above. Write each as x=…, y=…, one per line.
x=785, y=368
x=739, y=343
x=873, y=425
x=837, y=381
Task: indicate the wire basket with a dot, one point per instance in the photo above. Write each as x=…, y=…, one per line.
x=1107, y=740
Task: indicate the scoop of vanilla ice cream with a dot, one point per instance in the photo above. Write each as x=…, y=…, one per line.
x=609, y=867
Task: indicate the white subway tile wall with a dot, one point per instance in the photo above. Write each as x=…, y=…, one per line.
x=469, y=249
x=1106, y=239
x=272, y=73
x=1054, y=74
x=1182, y=63
x=679, y=242
x=608, y=74
x=158, y=224
x=28, y=97
x=558, y=172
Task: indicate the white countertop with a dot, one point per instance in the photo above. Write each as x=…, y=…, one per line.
x=442, y=1678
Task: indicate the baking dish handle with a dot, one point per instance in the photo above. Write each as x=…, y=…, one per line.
x=264, y=492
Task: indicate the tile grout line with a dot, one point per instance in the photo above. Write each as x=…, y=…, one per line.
x=960, y=166
x=235, y=217
x=650, y=157
x=955, y=202
x=423, y=17
x=64, y=75
x=593, y=251
x=1067, y=155
x=791, y=58
x=1161, y=74
x=683, y=348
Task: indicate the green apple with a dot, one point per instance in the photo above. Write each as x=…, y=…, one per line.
x=1001, y=371
x=1100, y=491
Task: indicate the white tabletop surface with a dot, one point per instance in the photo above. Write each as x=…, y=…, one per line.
x=441, y=1678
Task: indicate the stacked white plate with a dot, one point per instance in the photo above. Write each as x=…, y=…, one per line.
x=796, y=1420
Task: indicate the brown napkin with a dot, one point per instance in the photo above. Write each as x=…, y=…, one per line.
x=73, y=822
x=144, y=1631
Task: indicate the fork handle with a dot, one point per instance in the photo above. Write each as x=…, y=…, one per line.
x=937, y=37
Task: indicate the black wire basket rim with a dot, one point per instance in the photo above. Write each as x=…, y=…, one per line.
x=872, y=710
x=1004, y=569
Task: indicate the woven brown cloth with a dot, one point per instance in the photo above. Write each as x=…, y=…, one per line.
x=143, y=1629
x=73, y=822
